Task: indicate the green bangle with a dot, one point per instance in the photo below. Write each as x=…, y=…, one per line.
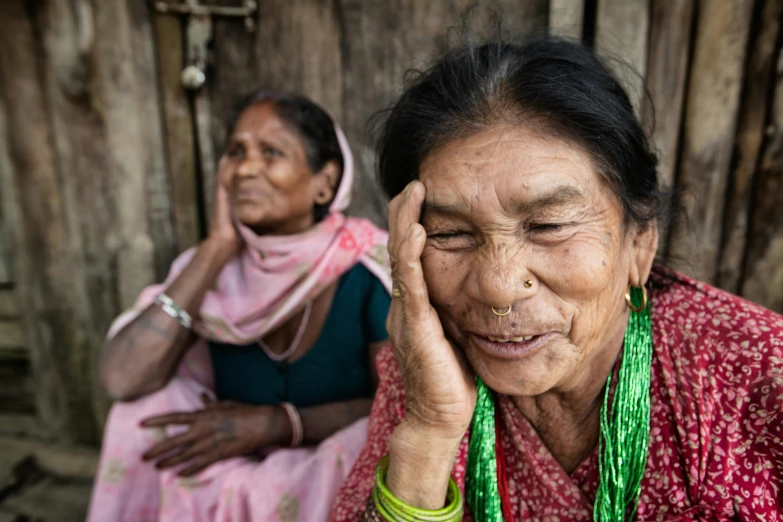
x=395, y=510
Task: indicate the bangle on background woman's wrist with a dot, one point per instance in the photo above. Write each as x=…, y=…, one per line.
x=384, y=506
x=297, y=430
x=173, y=310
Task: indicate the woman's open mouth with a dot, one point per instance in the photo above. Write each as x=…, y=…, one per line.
x=510, y=347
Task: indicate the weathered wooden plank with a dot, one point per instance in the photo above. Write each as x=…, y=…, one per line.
x=118, y=93
x=234, y=73
x=141, y=20
x=178, y=124
x=764, y=270
x=11, y=335
x=384, y=39
x=621, y=30
x=46, y=274
x=750, y=135
x=9, y=305
x=208, y=154
x=566, y=18
x=16, y=393
x=18, y=425
x=285, y=28
x=715, y=82
x=5, y=265
x=7, y=204
x=84, y=168
x=667, y=72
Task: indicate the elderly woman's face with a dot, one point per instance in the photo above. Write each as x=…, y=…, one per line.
x=271, y=187
x=509, y=206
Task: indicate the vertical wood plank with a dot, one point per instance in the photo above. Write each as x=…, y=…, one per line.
x=47, y=286
x=667, y=72
x=710, y=124
x=290, y=28
x=141, y=20
x=753, y=112
x=7, y=212
x=78, y=132
x=621, y=34
x=764, y=272
x=178, y=135
x=117, y=92
x=566, y=18
x=208, y=155
x=384, y=39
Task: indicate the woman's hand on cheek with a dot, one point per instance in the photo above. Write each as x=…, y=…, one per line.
x=440, y=389
x=222, y=228
x=222, y=430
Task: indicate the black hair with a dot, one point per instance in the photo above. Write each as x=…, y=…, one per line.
x=558, y=86
x=310, y=121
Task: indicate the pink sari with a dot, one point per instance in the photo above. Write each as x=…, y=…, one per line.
x=269, y=282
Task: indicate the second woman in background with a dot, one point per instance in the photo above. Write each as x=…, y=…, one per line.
x=263, y=336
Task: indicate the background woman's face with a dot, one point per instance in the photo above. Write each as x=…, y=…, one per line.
x=509, y=205
x=271, y=187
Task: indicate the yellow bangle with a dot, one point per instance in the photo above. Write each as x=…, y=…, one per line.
x=395, y=510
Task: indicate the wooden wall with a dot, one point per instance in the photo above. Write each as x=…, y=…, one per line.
x=106, y=163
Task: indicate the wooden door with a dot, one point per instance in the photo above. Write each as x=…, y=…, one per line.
x=107, y=162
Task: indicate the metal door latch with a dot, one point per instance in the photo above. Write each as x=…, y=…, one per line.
x=198, y=33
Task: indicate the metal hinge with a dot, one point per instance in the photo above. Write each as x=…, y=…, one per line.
x=198, y=33
x=192, y=7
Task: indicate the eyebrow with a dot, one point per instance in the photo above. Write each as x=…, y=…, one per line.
x=558, y=196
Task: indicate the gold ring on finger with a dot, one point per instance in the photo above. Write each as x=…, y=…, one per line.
x=396, y=292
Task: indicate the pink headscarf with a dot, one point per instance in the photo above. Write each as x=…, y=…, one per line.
x=273, y=277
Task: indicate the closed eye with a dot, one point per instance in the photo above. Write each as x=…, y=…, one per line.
x=447, y=235
x=545, y=227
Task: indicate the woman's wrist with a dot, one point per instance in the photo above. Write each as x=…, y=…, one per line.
x=420, y=465
x=217, y=251
x=279, y=425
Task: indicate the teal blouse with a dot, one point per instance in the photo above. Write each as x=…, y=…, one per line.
x=337, y=367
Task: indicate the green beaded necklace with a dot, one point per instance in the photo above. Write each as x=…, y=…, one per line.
x=624, y=431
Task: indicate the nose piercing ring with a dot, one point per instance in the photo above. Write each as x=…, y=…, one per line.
x=528, y=283
x=501, y=314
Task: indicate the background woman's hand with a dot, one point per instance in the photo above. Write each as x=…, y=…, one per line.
x=440, y=390
x=222, y=228
x=220, y=431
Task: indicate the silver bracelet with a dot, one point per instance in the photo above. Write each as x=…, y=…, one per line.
x=168, y=305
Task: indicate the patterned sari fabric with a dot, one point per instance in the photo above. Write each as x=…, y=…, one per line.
x=289, y=485
x=716, y=440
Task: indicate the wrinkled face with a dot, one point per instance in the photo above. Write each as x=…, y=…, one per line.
x=271, y=187
x=509, y=206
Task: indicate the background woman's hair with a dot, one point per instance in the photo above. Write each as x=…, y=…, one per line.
x=553, y=85
x=311, y=122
